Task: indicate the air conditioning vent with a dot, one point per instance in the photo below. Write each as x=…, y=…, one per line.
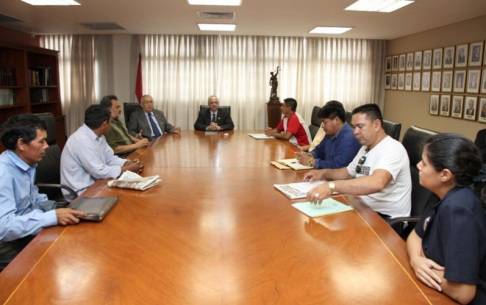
x=216, y=15
x=102, y=26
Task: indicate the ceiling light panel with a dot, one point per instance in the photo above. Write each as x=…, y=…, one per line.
x=383, y=6
x=216, y=27
x=51, y=2
x=329, y=30
x=215, y=2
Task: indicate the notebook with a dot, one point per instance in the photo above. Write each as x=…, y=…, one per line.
x=327, y=206
x=260, y=136
x=297, y=190
x=95, y=208
x=294, y=164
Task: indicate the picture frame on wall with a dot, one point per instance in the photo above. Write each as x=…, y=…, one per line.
x=447, y=81
x=445, y=105
x=457, y=103
x=409, y=66
x=416, y=81
x=482, y=110
x=387, y=81
x=417, y=64
x=437, y=62
x=427, y=60
x=476, y=54
x=408, y=81
x=434, y=104
x=388, y=64
x=459, y=80
x=473, y=81
x=394, y=82
x=426, y=81
x=401, y=81
x=470, y=108
x=483, y=82
x=449, y=57
x=401, y=65
x=436, y=75
x=461, y=55
x=395, y=63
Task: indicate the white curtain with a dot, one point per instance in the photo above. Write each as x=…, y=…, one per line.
x=84, y=65
x=181, y=71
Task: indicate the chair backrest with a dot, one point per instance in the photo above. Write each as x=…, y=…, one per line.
x=315, y=122
x=349, y=116
x=227, y=108
x=49, y=168
x=128, y=108
x=414, y=141
x=392, y=129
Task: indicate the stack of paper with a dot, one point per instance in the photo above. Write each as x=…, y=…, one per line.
x=260, y=136
x=327, y=206
x=297, y=190
x=130, y=180
x=292, y=163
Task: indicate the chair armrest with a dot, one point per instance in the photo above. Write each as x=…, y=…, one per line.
x=397, y=220
x=58, y=186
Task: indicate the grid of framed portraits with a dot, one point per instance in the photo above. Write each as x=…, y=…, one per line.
x=455, y=76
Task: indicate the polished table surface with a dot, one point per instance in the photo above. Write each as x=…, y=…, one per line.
x=216, y=231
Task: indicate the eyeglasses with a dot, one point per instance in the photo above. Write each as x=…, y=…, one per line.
x=361, y=161
x=148, y=102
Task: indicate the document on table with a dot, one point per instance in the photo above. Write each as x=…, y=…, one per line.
x=327, y=206
x=297, y=190
x=293, y=164
x=260, y=136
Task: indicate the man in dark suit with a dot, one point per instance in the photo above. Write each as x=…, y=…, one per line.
x=214, y=118
x=150, y=121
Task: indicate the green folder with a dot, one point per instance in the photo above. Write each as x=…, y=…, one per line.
x=327, y=206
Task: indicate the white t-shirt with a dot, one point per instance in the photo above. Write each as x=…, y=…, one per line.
x=389, y=155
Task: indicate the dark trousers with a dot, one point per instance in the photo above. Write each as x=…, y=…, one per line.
x=10, y=249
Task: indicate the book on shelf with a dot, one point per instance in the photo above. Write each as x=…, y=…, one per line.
x=7, y=97
x=291, y=163
x=39, y=95
x=40, y=76
x=297, y=190
x=326, y=207
x=7, y=76
x=130, y=180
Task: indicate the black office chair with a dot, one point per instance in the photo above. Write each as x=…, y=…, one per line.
x=48, y=173
x=349, y=116
x=227, y=108
x=315, y=122
x=392, y=129
x=128, y=109
x=480, y=142
x=414, y=141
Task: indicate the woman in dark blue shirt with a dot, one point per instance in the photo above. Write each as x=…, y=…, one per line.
x=447, y=248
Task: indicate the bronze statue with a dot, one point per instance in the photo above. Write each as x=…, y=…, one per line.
x=274, y=84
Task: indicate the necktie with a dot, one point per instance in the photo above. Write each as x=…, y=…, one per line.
x=214, y=118
x=155, y=129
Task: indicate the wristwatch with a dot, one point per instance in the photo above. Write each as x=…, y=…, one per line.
x=332, y=186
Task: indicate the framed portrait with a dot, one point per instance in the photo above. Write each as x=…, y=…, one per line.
x=476, y=54
x=427, y=60
x=483, y=86
x=409, y=65
x=448, y=58
x=417, y=64
x=473, y=81
x=401, y=63
x=387, y=81
x=482, y=110
x=470, y=108
x=459, y=80
x=461, y=55
x=401, y=81
x=408, y=81
x=434, y=104
x=445, y=105
x=457, y=102
x=394, y=82
x=426, y=81
x=436, y=81
x=447, y=81
x=395, y=63
x=388, y=64
x=416, y=81
x=437, y=62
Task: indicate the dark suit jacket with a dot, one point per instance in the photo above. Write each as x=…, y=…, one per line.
x=223, y=120
x=138, y=121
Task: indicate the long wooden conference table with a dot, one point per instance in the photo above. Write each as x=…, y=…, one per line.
x=216, y=231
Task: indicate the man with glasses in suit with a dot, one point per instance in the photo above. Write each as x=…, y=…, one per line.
x=214, y=118
x=379, y=173
x=151, y=121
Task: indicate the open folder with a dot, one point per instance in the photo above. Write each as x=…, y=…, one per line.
x=326, y=207
x=290, y=163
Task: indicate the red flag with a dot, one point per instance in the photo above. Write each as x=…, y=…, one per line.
x=138, y=82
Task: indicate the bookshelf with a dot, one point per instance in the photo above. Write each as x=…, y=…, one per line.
x=29, y=83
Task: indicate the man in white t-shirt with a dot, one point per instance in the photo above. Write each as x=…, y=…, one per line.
x=381, y=169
